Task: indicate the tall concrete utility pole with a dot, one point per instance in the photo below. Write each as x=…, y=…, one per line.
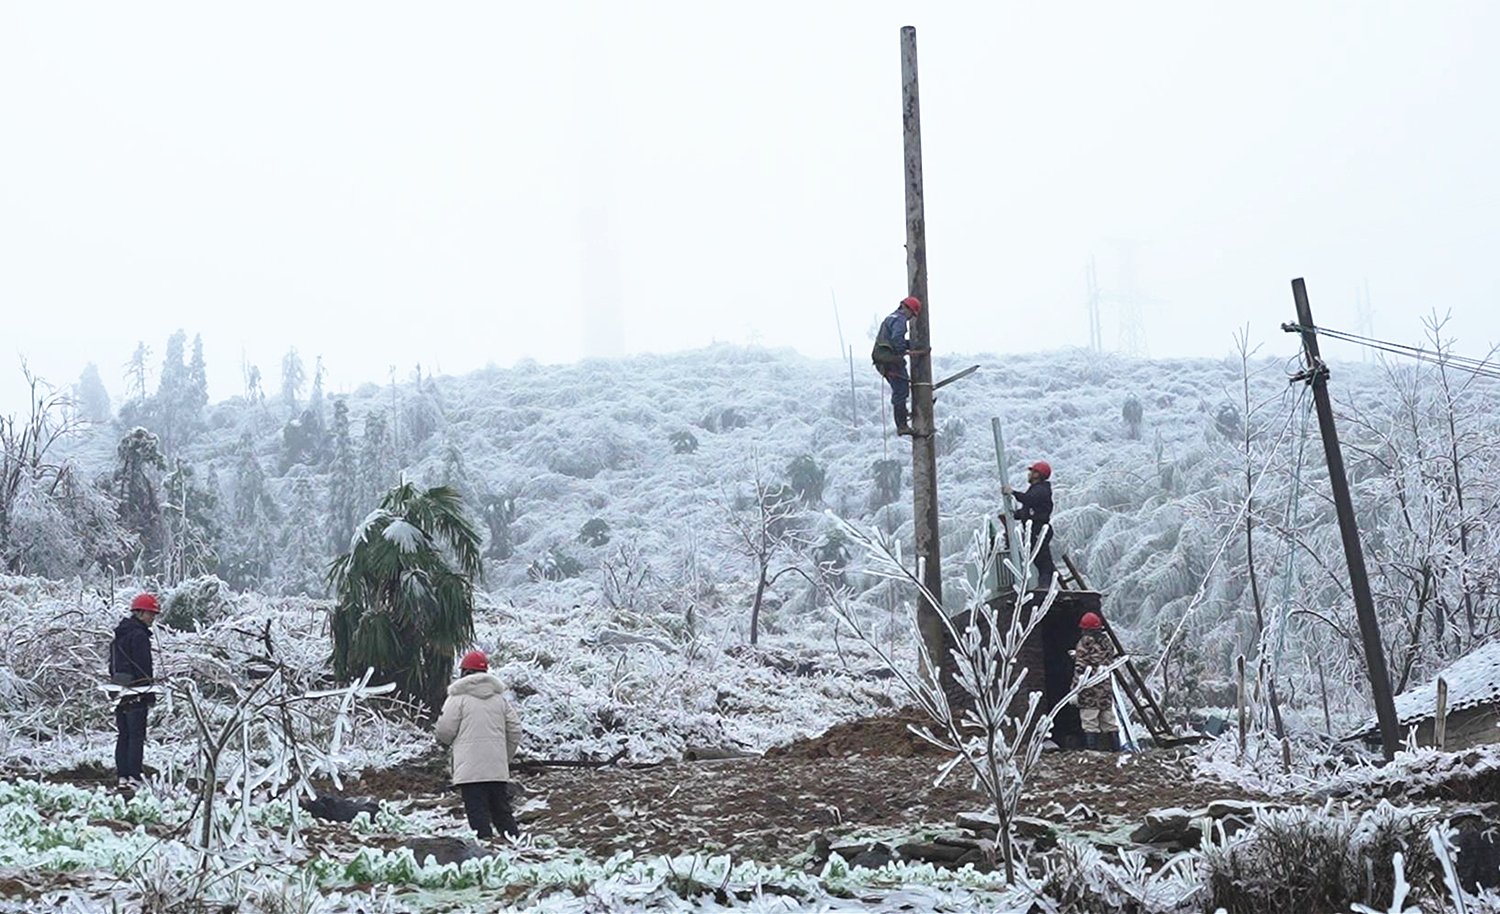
x=923, y=454
x=1359, y=579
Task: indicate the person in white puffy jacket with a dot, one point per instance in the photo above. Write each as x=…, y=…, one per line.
x=483, y=729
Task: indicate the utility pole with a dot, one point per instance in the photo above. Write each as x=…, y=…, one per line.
x=1012, y=538
x=923, y=454
x=1316, y=373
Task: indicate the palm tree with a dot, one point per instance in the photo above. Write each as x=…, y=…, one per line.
x=405, y=592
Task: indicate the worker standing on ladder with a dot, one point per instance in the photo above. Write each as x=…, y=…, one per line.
x=1036, y=509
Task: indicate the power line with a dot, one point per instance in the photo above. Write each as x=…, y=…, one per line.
x=1484, y=368
x=1419, y=351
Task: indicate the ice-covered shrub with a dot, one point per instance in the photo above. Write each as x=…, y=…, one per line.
x=723, y=420
x=950, y=434
x=1079, y=879
x=683, y=442
x=887, y=475
x=806, y=478
x=832, y=556
x=627, y=578
x=1228, y=422
x=196, y=602
x=421, y=416
x=1319, y=860
x=1132, y=413
x=498, y=513
x=302, y=441
x=594, y=532
x=555, y=565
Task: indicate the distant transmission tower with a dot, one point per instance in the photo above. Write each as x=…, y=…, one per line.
x=1130, y=299
x=1096, y=329
x=1364, y=319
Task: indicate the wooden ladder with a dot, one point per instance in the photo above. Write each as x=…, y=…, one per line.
x=1133, y=683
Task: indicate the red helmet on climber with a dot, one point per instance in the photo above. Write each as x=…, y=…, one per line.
x=145, y=602
x=913, y=304
x=1042, y=467
x=475, y=661
x=1090, y=622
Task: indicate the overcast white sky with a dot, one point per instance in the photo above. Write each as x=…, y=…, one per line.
x=391, y=183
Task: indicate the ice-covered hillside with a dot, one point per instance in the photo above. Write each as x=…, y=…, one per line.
x=655, y=451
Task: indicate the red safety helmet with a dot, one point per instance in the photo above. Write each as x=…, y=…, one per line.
x=475, y=660
x=1043, y=467
x=1090, y=621
x=914, y=303
x=145, y=602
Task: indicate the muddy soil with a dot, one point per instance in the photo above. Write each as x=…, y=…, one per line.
x=769, y=809
x=86, y=776
x=772, y=808
x=425, y=776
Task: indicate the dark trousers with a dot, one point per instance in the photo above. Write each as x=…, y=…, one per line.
x=1045, y=567
x=895, y=375
x=130, y=744
x=487, y=804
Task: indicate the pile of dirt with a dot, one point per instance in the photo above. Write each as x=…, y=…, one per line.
x=886, y=737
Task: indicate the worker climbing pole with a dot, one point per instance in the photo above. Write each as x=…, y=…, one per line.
x=923, y=455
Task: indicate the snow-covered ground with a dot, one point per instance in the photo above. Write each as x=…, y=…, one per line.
x=585, y=691
x=633, y=638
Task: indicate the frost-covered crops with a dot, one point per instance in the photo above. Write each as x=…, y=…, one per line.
x=104, y=850
x=125, y=846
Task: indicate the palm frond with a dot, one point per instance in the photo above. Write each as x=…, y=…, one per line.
x=405, y=589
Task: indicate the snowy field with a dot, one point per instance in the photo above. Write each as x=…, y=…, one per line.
x=615, y=604
x=681, y=835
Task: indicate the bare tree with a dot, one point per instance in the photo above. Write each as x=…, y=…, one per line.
x=998, y=746
x=1456, y=400
x=25, y=447
x=761, y=528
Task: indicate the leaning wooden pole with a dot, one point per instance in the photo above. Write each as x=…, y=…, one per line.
x=1359, y=579
x=923, y=455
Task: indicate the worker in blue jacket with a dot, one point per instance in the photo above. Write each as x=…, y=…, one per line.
x=889, y=355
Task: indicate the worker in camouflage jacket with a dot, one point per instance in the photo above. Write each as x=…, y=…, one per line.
x=1096, y=704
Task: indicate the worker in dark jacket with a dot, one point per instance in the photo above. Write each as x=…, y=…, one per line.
x=889, y=355
x=1036, y=509
x=130, y=666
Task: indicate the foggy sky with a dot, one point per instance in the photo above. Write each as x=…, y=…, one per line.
x=389, y=183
